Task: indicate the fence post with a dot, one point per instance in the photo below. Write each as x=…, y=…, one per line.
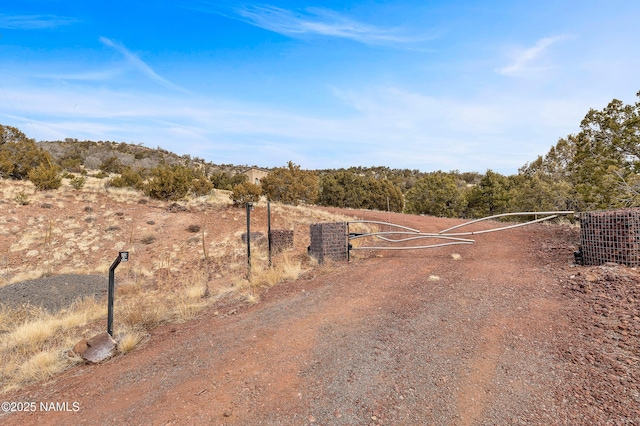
x=249, y=207
x=269, y=229
x=123, y=256
x=348, y=244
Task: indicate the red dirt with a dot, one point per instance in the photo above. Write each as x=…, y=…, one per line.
x=504, y=335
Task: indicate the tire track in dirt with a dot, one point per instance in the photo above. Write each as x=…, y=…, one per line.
x=474, y=394
x=506, y=326
x=212, y=367
x=374, y=342
x=476, y=387
x=266, y=373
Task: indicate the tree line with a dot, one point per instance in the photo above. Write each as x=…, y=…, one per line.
x=597, y=168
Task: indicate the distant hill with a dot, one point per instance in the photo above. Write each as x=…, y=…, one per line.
x=72, y=154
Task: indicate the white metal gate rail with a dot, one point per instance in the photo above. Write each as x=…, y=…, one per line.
x=452, y=238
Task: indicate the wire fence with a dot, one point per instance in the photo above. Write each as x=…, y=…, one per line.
x=610, y=236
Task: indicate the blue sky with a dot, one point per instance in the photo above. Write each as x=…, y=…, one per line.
x=429, y=85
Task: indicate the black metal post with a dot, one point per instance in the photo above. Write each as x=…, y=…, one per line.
x=348, y=244
x=249, y=207
x=123, y=256
x=269, y=229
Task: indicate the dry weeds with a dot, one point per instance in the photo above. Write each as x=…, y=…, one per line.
x=175, y=270
x=33, y=342
x=129, y=339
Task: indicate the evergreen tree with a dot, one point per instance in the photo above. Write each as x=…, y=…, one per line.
x=490, y=196
x=607, y=155
x=291, y=185
x=19, y=154
x=169, y=182
x=436, y=194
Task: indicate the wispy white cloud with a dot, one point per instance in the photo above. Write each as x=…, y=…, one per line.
x=315, y=21
x=387, y=126
x=34, y=22
x=526, y=61
x=140, y=65
x=82, y=76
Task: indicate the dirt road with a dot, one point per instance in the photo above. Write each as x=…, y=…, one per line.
x=411, y=337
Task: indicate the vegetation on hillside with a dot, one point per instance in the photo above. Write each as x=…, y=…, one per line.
x=245, y=192
x=291, y=185
x=21, y=158
x=346, y=188
x=598, y=168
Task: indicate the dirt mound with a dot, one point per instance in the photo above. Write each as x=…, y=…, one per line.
x=54, y=293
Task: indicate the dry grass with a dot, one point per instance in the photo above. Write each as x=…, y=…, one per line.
x=32, y=274
x=10, y=318
x=40, y=326
x=188, y=307
x=41, y=366
x=129, y=339
x=80, y=233
x=148, y=238
x=32, y=341
x=141, y=313
x=10, y=189
x=191, y=298
x=284, y=270
x=123, y=195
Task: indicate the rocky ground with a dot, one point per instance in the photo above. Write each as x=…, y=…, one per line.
x=55, y=292
x=603, y=350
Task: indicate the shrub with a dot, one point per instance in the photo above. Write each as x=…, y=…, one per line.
x=223, y=180
x=193, y=228
x=45, y=177
x=169, y=183
x=246, y=192
x=10, y=134
x=148, y=238
x=73, y=165
x=348, y=189
x=291, y=185
x=22, y=199
x=200, y=185
x=18, y=154
x=78, y=182
x=128, y=178
x=112, y=165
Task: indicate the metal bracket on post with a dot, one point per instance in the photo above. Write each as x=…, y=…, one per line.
x=123, y=256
